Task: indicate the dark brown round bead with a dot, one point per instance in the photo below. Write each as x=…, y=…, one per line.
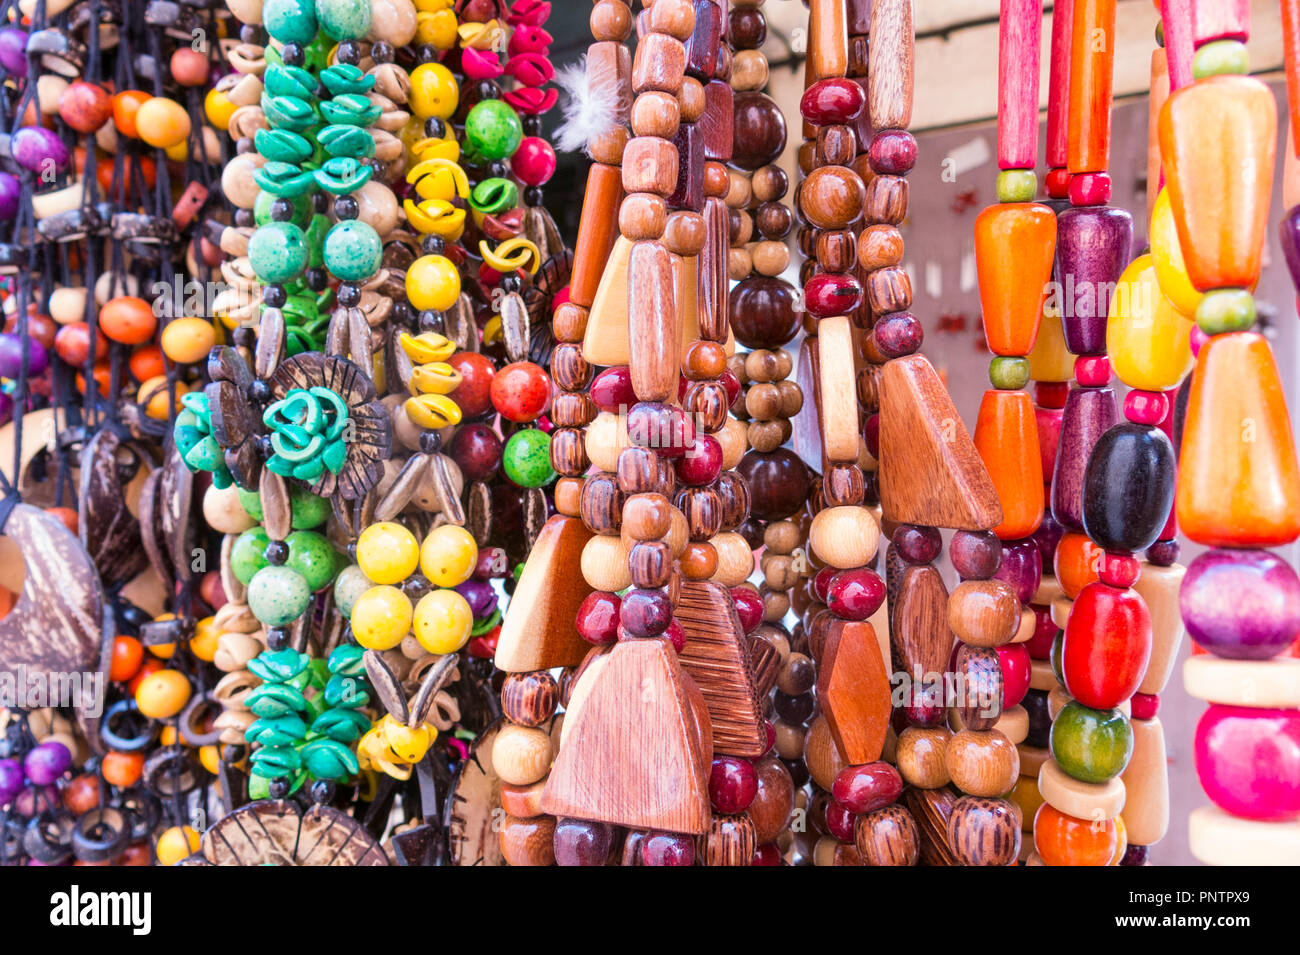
x=832, y=197
x=703, y=509
x=569, y=452
x=569, y=369
x=843, y=485
x=975, y=555
x=747, y=28
x=759, y=135
x=638, y=471
x=836, y=146
x=602, y=504
x=762, y=312
x=529, y=699
x=770, y=184
x=707, y=402
x=778, y=483
x=918, y=544
x=574, y=410
x=734, y=494
x=774, y=220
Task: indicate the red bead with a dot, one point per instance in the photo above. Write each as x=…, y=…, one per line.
x=749, y=605
x=822, y=583
x=840, y=820
x=770, y=729
x=871, y=435
x=702, y=464
x=769, y=854
x=892, y=152
x=668, y=848
x=1146, y=407
x=855, y=594
x=733, y=784
x=1107, y=645
x=1092, y=371
x=1145, y=706
x=1015, y=661
x=868, y=787
x=521, y=391
x=492, y=562
x=1090, y=189
x=534, y=161
x=732, y=384
x=1119, y=570
x=1040, y=644
x=612, y=390
x=832, y=102
x=1051, y=394
x=598, y=617
x=473, y=395
x=1058, y=183
x=676, y=635
x=832, y=293
x=476, y=449
x=85, y=106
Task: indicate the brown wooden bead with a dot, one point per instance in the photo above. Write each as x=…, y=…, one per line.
x=607, y=148
x=651, y=564
x=763, y=401
x=570, y=323
x=529, y=699
x=887, y=199
x=831, y=197
x=879, y=246
x=922, y=756
x=985, y=613
x=889, y=290
x=654, y=333
x=887, y=837
x=889, y=89
x=774, y=801
x=646, y=516
x=692, y=100
x=748, y=70
x=984, y=831
x=983, y=763
x=673, y=17
x=869, y=389
x=735, y=559
x=638, y=470
x=655, y=113
x=820, y=754
x=574, y=410
x=774, y=220
x=730, y=841
x=733, y=492
x=568, y=496
x=797, y=676
x=769, y=257
x=602, y=504
x=760, y=131
x=568, y=368
x=521, y=755
x=716, y=120
x=704, y=360
x=770, y=184
x=836, y=146
x=780, y=572
x=659, y=64
x=765, y=436
x=685, y=233
x=791, y=398
x=775, y=606
x=611, y=20
x=702, y=507
x=523, y=802
x=569, y=451
x=699, y=560
x=649, y=165
x=716, y=180
x=706, y=401
x=761, y=365
x=980, y=673
x=842, y=485
x=528, y=842
x=643, y=216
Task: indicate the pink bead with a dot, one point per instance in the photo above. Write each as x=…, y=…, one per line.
x=1089, y=189
x=598, y=618
x=1145, y=706
x=480, y=65
x=534, y=161
x=1016, y=672
x=531, y=69
x=1146, y=407
x=1092, y=371
x=531, y=100
x=528, y=39
x=1248, y=761
x=1119, y=570
x=1196, y=338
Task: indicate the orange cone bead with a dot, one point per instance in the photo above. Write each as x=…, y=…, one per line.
x=1217, y=141
x=1014, y=246
x=1006, y=436
x=1238, y=484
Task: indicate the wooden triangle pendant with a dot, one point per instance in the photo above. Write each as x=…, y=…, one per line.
x=540, y=627
x=930, y=472
x=632, y=752
x=716, y=656
x=606, y=341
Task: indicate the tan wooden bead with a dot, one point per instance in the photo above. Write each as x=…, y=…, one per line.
x=646, y=517
x=776, y=604
x=780, y=572
x=983, y=763
x=608, y=148
x=739, y=264
x=984, y=613
x=685, y=233
x=1014, y=724
x=642, y=216
x=734, y=442
x=735, y=559
x=841, y=438
x=1057, y=698
x=844, y=537
x=1095, y=802
x=521, y=755
x=659, y=64
x=789, y=740
x=523, y=802
x=1271, y=683
x=606, y=438
x=1158, y=587
x=604, y=563
x=611, y=20
x=739, y=190
x=224, y=512
x=1061, y=611
x=568, y=496
x=769, y=257
x=744, y=232
x=650, y=165
x=781, y=537
x=673, y=17
x=748, y=70
x=1032, y=759
x=690, y=100
x=679, y=533
x=1146, y=779
x=1041, y=676
x=655, y=113
x=1028, y=625
x=820, y=754
x=922, y=756
x=1048, y=590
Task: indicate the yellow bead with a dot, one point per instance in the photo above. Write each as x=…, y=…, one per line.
x=1025, y=794
x=204, y=642
x=1146, y=337
x=1171, y=272
x=210, y=758
x=187, y=341
x=432, y=412
x=162, y=694
x=443, y=621
x=387, y=553
x=381, y=618
x=448, y=555
x=175, y=844
x=432, y=283
x=434, y=91
x=153, y=396
x=1050, y=360
x=1121, y=841
x=169, y=736
x=218, y=108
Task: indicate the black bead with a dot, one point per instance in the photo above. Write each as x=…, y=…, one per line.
x=322, y=791
x=427, y=54
x=433, y=245
x=497, y=169
x=349, y=295
x=435, y=128
x=794, y=709
x=264, y=445
x=250, y=34
x=260, y=391
x=532, y=125
x=277, y=638
x=320, y=203
x=512, y=283
x=403, y=314
x=1040, y=718
x=245, y=336
x=293, y=54
x=431, y=321
x=381, y=51
x=430, y=442
x=281, y=210
x=487, y=90
x=346, y=207
x=533, y=195
x=349, y=51
x=277, y=788
x=244, y=219
x=317, y=279
x=232, y=753
x=277, y=552
x=274, y=296
x=1128, y=487
x=416, y=587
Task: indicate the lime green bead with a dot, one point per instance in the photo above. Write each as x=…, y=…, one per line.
x=247, y=554
x=301, y=209
x=309, y=511
x=251, y=502
x=278, y=595
x=1009, y=373
x=1091, y=745
x=278, y=252
x=311, y=555
x=1017, y=185
x=353, y=251
x=495, y=195
x=493, y=129
x=526, y=458
x=1226, y=310
x=1220, y=57
x=290, y=21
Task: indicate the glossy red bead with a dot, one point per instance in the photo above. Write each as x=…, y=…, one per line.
x=832, y=102
x=733, y=784
x=1145, y=705
x=1040, y=644
x=473, y=396
x=822, y=583
x=840, y=820
x=676, y=635
x=1107, y=645
x=892, y=152
x=1016, y=665
x=612, y=390
x=85, y=106
x=1090, y=189
x=667, y=848
x=534, y=161
x=855, y=594
x=1119, y=570
x=749, y=605
x=832, y=293
x=867, y=787
x=769, y=854
x=521, y=391
x=598, y=617
x=732, y=384
x=702, y=464
x=1092, y=371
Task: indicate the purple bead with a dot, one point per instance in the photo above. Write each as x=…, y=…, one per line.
x=918, y=544
x=892, y=152
x=1289, y=230
x=1047, y=536
x=1163, y=553
x=480, y=595
x=1241, y=604
x=1022, y=567
x=47, y=762
x=646, y=613
x=10, y=192
x=13, y=51
x=6, y=408
x=898, y=334
x=579, y=842
x=11, y=780
x=1092, y=248
x=975, y=555
x=667, y=848
x=1089, y=413
x=34, y=147
x=11, y=356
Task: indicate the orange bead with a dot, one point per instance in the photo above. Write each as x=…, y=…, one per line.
x=128, y=319
x=1014, y=246
x=1064, y=840
x=126, y=105
x=146, y=363
x=1218, y=137
x=65, y=514
x=1077, y=562
x=162, y=122
x=1006, y=436
x=103, y=378
x=1238, y=483
x=122, y=769
x=1092, y=55
x=150, y=665
x=128, y=654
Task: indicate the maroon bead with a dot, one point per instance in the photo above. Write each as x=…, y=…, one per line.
x=598, y=617
x=925, y=707
x=746, y=28
x=759, y=131
x=769, y=728
x=733, y=784
x=492, y=562
x=582, y=842
x=666, y=429
x=898, y=334
x=645, y=613
x=794, y=710
x=1021, y=567
x=822, y=583
x=975, y=555
x=1145, y=705
x=1089, y=413
x=762, y=313
x=702, y=47
x=840, y=820
x=749, y=605
x=676, y=635
x=1134, y=855
x=871, y=434
x=918, y=544
x=832, y=102
x=1093, y=245
x=831, y=293
x=612, y=390
x=1047, y=536
x=769, y=854
x=1163, y=553
x=732, y=384
x=868, y=787
x=892, y=152
x=476, y=449
x=855, y=594
x=667, y=848
x=1045, y=630
x=778, y=483
x=702, y=464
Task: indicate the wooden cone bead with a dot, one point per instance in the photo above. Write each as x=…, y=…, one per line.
x=1158, y=587
x=607, y=340
x=1146, y=779
x=1015, y=245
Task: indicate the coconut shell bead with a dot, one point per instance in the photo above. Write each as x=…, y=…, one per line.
x=1106, y=646
x=1147, y=338
x=1238, y=483
x=1015, y=244
x=1092, y=248
x=1128, y=487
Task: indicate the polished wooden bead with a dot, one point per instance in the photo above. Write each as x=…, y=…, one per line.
x=730, y=840
x=597, y=230
x=673, y=17
x=650, y=564
x=984, y=613
x=702, y=507
x=983, y=763
x=611, y=20
x=837, y=250
x=604, y=563
x=836, y=146
x=638, y=470
x=529, y=699
x=733, y=492
x=775, y=800
x=659, y=64
x=832, y=197
x=602, y=504
x=693, y=101
x=735, y=559
x=685, y=233
x=521, y=755
x=879, y=246
x=980, y=672
x=522, y=802
x=570, y=321
x=568, y=496
x=889, y=81
x=760, y=131
x=821, y=755
x=574, y=410
x=984, y=831
x=650, y=164
x=568, y=368
x=844, y=537
x=528, y=842
x=655, y=113
x=843, y=485
x=886, y=199
x=568, y=451
x=699, y=561
x=716, y=180
x=887, y=837
x=889, y=290
x=646, y=516
x=922, y=756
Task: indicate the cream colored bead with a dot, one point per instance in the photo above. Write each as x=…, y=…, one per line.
x=1217, y=838
x=1272, y=683
x=735, y=559
x=521, y=755
x=223, y=511
x=1091, y=801
x=606, y=438
x=844, y=537
x=604, y=563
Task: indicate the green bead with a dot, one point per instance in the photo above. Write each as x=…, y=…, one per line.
x=1009, y=373
x=302, y=211
x=308, y=510
x=1219, y=57
x=353, y=251
x=1058, y=646
x=290, y=21
x=278, y=252
x=278, y=596
x=1017, y=185
x=281, y=145
x=316, y=232
x=1091, y=745
x=247, y=554
x=493, y=129
x=526, y=458
x=251, y=502
x=344, y=19
x=1226, y=310
x=311, y=555
x=494, y=195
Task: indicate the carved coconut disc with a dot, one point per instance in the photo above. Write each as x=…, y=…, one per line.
x=109, y=531
x=471, y=811
x=272, y=832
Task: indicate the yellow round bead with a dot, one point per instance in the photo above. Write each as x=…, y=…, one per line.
x=443, y=620
x=218, y=108
x=210, y=758
x=448, y=555
x=175, y=844
x=187, y=341
x=387, y=553
x=434, y=91
x=1146, y=337
x=381, y=618
x=1171, y=271
x=162, y=694
x=204, y=642
x=432, y=283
